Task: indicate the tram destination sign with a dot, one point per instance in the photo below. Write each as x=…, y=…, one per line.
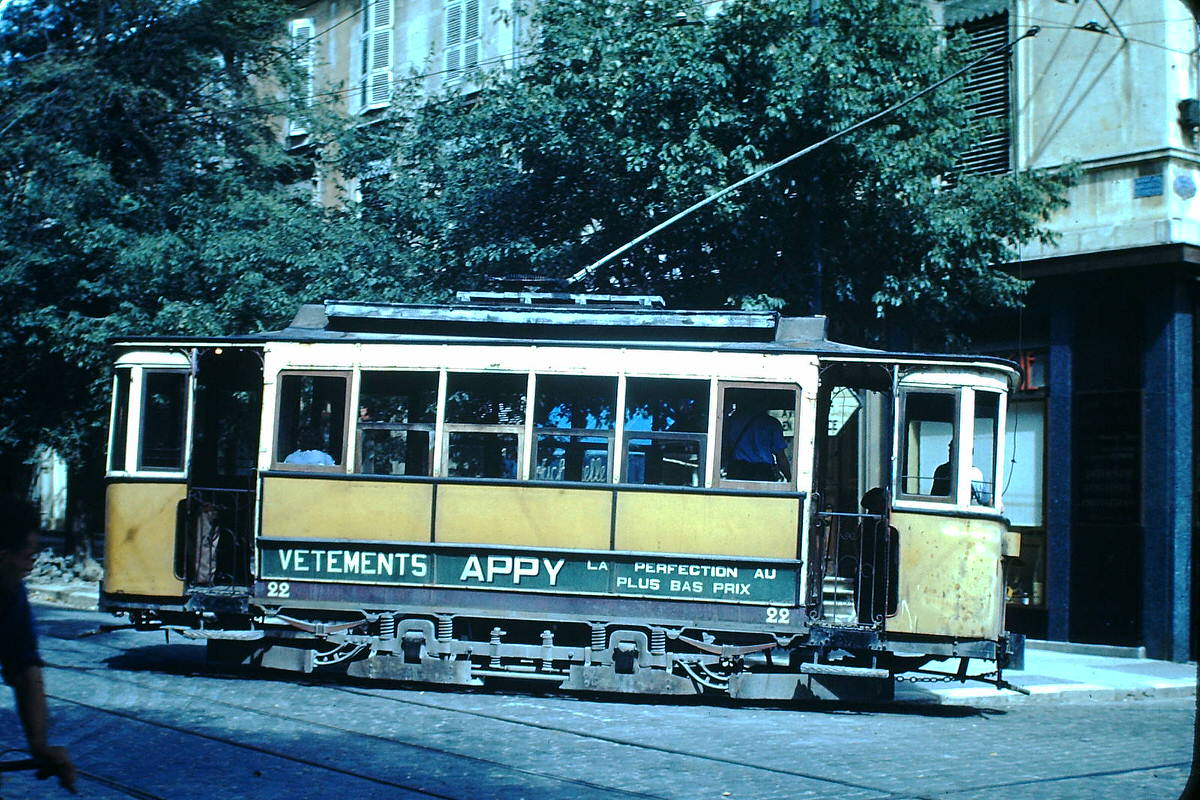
x=674, y=577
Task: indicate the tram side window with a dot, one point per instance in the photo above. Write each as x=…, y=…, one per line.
x=396, y=416
x=758, y=431
x=312, y=420
x=574, y=418
x=120, y=423
x=666, y=431
x=983, y=455
x=164, y=420
x=485, y=419
x=928, y=463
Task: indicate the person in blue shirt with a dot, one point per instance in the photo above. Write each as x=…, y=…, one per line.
x=754, y=448
x=19, y=661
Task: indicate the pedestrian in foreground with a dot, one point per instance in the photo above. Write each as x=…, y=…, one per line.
x=19, y=661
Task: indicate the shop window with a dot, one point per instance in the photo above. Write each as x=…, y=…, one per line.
x=120, y=421
x=758, y=431
x=928, y=463
x=164, y=420
x=312, y=420
x=573, y=424
x=485, y=419
x=1024, y=480
x=983, y=450
x=666, y=431
x=396, y=416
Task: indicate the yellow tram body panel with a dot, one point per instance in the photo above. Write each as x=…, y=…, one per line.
x=951, y=581
x=524, y=516
x=531, y=516
x=140, y=538
x=316, y=508
x=727, y=525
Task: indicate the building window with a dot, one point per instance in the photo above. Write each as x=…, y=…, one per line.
x=988, y=93
x=375, y=87
x=666, y=431
x=485, y=424
x=1025, y=499
x=396, y=416
x=463, y=38
x=301, y=33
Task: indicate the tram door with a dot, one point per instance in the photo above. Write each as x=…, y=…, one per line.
x=854, y=557
x=217, y=530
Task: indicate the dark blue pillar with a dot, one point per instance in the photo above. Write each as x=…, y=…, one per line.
x=1167, y=391
x=1059, y=465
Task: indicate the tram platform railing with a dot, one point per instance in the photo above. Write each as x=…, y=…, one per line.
x=853, y=569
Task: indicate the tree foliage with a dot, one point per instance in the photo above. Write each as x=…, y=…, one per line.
x=630, y=110
x=145, y=191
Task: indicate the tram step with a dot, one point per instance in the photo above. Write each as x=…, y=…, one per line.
x=839, y=612
x=850, y=672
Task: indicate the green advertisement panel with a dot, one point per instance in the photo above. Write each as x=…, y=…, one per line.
x=674, y=577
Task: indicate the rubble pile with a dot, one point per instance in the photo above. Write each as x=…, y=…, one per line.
x=50, y=567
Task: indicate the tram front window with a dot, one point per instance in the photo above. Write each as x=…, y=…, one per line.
x=666, y=431
x=485, y=419
x=929, y=436
x=120, y=421
x=983, y=456
x=164, y=420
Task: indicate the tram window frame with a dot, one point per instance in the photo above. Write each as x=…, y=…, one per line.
x=723, y=482
x=955, y=447
x=427, y=424
x=977, y=493
x=602, y=436
x=510, y=434
x=118, y=442
x=278, y=449
x=179, y=421
x=661, y=440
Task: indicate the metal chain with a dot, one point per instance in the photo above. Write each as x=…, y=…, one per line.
x=943, y=678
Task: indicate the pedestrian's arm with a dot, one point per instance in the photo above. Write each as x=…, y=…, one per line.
x=31, y=707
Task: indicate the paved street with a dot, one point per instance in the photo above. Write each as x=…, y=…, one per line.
x=147, y=719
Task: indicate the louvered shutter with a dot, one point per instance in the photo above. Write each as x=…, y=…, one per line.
x=377, y=55
x=988, y=95
x=471, y=35
x=301, y=34
x=453, y=44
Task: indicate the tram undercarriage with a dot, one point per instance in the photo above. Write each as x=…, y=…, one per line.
x=818, y=662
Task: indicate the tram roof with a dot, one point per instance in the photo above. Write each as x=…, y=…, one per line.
x=619, y=322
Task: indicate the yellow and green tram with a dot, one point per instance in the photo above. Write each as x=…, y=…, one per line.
x=553, y=488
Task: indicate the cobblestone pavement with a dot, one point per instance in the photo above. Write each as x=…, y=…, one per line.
x=148, y=719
